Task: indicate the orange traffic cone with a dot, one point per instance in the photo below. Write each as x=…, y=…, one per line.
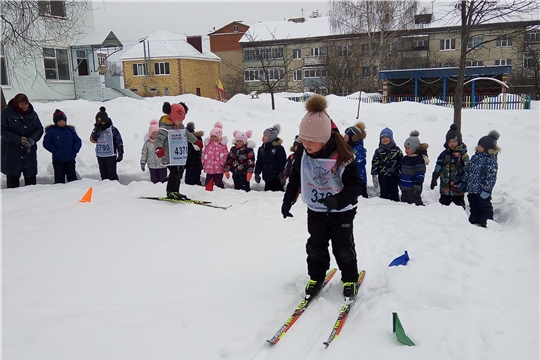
x=87, y=197
x=210, y=185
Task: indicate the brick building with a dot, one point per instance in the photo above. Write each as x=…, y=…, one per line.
x=224, y=42
x=168, y=64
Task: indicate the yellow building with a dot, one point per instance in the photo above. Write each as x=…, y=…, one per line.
x=169, y=64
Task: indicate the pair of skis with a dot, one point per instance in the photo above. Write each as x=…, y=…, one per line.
x=342, y=316
x=186, y=201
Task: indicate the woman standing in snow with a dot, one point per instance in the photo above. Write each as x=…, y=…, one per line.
x=21, y=130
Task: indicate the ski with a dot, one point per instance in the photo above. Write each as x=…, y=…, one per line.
x=300, y=310
x=186, y=201
x=344, y=312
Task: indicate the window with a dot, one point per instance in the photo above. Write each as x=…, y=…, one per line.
x=161, y=68
x=474, y=63
x=395, y=46
x=139, y=69
x=134, y=90
x=448, y=44
x=3, y=73
x=504, y=41
x=418, y=66
x=476, y=42
x=365, y=48
x=253, y=75
x=346, y=50
x=532, y=36
x=56, y=64
x=82, y=63
x=53, y=8
x=235, y=28
x=263, y=53
x=297, y=75
x=318, y=51
x=366, y=71
x=297, y=53
x=419, y=43
x=273, y=74
x=529, y=61
x=314, y=73
x=503, y=62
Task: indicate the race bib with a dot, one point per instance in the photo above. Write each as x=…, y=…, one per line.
x=104, y=144
x=178, y=147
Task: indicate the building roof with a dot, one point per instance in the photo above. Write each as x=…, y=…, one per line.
x=281, y=30
x=167, y=44
x=99, y=40
x=446, y=71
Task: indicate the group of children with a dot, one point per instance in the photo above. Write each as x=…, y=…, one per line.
x=325, y=171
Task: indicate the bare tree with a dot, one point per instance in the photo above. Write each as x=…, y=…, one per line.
x=114, y=69
x=28, y=26
x=382, y=22
x=474, y=13
x=342, y=68
x=274, y=65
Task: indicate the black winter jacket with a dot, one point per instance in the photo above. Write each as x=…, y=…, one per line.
x=16, y=158
x=271, y=159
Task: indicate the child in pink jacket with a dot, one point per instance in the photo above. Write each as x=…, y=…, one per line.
x=214, y=155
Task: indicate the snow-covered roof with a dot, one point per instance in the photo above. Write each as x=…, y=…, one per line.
x=167, y=44
x=281, y=30
x=99, y=38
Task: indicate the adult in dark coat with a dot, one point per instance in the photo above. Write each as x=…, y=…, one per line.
x=21, y=130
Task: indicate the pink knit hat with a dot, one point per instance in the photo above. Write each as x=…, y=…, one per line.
x=154, y=126
x=316, y=125
x=217, y=130
x=238, y=135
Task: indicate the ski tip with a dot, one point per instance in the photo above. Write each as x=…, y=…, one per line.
x=271, y=342
x=326, y=344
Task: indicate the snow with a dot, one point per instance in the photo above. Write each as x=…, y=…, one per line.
x=168, y=44
x=125, y=278
x=280, y=30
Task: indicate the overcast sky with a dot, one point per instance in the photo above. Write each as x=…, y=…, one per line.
x=132, y=20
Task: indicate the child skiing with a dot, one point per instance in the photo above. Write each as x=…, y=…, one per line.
x=171, y=146
x=241, y=160
x=329, y=183
x=413, y=169
x=271, y=160
x=450, y=168
x=354, y=137
x=158, y=172
x=109, y=145
x=62, y=141
x=386, y=165
x=214, y=156
x=480, y=177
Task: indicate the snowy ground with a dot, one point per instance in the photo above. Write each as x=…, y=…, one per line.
x=125, y=278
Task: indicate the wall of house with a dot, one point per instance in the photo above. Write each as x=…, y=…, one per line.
x=226, y=39
x=145, y=84
x=199, y=74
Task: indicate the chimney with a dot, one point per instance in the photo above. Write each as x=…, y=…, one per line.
x=196, y=42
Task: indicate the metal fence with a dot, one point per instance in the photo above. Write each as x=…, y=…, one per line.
x=485, y=102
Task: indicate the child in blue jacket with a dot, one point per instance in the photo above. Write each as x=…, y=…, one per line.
x=480, y=177
x=413, y=169
x=63, y=143
x=271, y=159
x=354, y=136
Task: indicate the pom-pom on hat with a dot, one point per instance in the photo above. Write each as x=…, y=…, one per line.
x=272, y=132
x=316, y=125
x=387, y=132
x=154, y=126
x=59, y=115
x=356, y=132
x=242, y=136
x=217, y=130
x=454, y=133
x=413, y=142
x=102, y=115
x=489, y=141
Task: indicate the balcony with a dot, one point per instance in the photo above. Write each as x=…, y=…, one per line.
x=415, y=54
x=314, y=60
